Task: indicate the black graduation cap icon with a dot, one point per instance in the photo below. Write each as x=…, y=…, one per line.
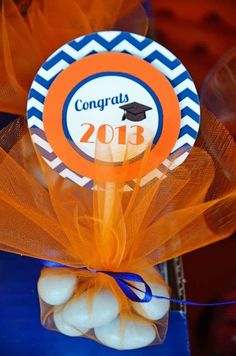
x=134, y=111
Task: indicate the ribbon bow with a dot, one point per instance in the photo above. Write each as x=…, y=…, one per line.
x=123, y=280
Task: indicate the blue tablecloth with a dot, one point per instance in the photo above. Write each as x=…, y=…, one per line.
x=22, y=334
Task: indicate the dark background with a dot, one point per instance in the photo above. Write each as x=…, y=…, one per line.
x=200, y=32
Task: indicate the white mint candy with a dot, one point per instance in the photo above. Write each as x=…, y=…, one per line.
x=156, y=308
x=64, y=328
x=134, y=335
x=104, y=308
x=56, y=289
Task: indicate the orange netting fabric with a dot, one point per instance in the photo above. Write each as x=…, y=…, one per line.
x=193, y=206
x=47, y=217
x=30, y=31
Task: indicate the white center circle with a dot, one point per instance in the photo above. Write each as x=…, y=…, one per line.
x=97, y=124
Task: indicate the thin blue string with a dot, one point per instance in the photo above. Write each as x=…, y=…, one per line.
x=186, y=302
x=123, y=279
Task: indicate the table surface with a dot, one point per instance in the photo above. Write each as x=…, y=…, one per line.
x=22, y=334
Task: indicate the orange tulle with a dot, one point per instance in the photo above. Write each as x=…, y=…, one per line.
x=32, y=30
x=110, y=228
x=45, y=216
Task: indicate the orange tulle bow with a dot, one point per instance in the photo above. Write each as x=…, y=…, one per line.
x=110, y=228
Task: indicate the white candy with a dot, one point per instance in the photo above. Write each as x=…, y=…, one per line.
x=104, y=308
x=156, y=308
x=55, y=289
x=64, y=328
x=134, y=335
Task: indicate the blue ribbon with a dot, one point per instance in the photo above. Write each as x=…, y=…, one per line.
x=123, y=280
x=52, y=264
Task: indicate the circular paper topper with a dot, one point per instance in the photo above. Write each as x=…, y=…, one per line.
x=116, y=88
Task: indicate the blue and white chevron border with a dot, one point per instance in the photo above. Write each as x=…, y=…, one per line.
x=124, y=42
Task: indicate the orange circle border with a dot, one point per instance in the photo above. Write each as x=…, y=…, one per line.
x=110, y=62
